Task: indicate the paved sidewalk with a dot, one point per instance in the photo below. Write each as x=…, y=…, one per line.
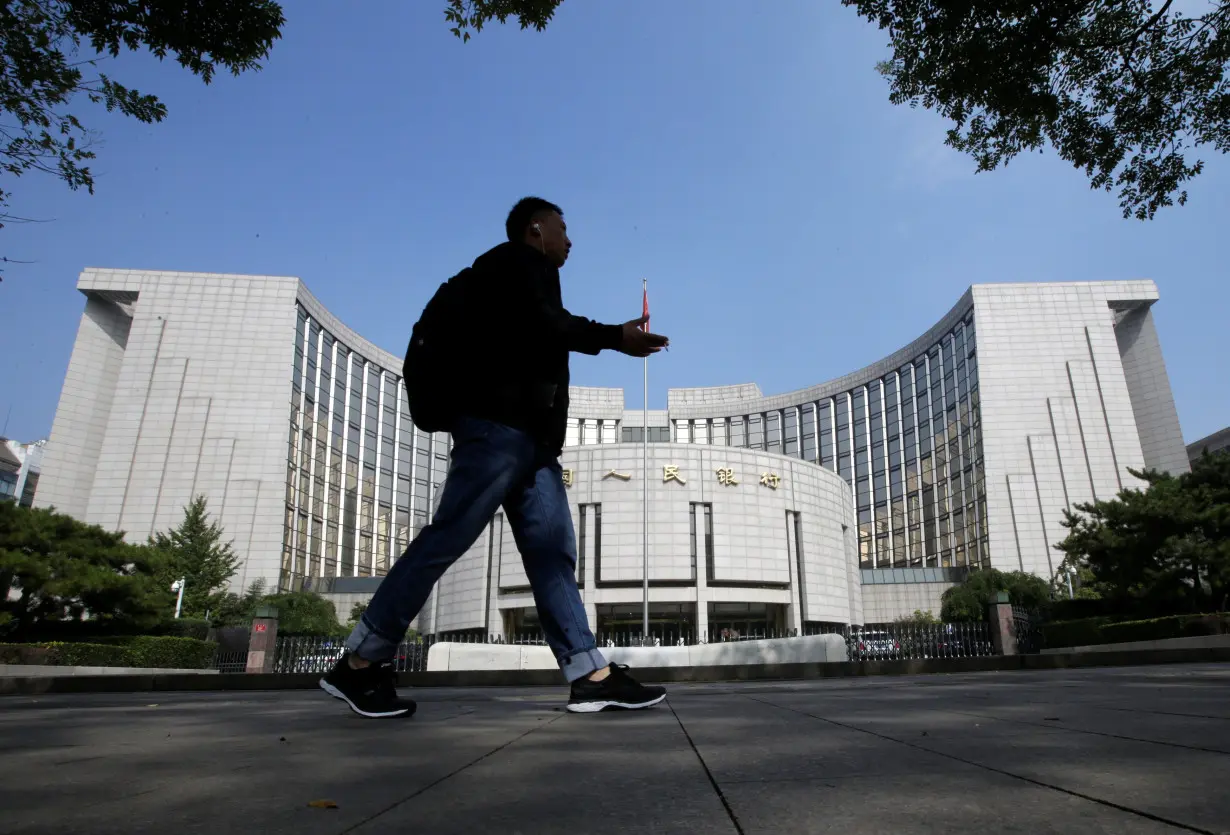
x=1111, y=750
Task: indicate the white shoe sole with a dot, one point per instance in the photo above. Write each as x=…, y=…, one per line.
x=598, y=707
x=338, y=694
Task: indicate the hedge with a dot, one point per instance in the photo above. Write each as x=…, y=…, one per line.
x=183, y=628
x=138, y=651
x=1178, y=626
x=1074, y=633
x=105, y=631
x=1104, y=630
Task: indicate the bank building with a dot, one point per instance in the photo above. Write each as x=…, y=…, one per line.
x=851, y=501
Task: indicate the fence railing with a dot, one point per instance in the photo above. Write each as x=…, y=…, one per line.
x=1028, y=627
x=888, y=642
x=231, y=662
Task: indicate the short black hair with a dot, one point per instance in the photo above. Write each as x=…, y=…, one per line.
x=523, y=214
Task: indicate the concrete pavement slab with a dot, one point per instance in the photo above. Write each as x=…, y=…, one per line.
x=969, y=753
x=961, y=800
x=605, y=774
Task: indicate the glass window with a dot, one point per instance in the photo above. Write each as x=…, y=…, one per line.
x=773, y=431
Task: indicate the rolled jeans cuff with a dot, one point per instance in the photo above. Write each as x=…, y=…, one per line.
x=369, y=644
x=581, y=664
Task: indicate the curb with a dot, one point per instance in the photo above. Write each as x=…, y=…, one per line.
x=158, y=682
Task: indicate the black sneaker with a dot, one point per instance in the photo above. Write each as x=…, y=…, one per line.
x=618, y=691
x=370, y=691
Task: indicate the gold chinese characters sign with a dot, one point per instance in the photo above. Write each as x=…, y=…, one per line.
x=671, y=472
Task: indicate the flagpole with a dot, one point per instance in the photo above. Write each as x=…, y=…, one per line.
x=645, y=493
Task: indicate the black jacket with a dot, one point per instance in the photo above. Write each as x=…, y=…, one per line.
x=518, y=343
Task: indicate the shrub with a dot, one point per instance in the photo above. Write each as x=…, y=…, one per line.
x=183, y=628
x=141, y=651
x=305, y=614
x=1074, y=633
x=1156, y=629
x=171, y=652
x=969, y=601
x=1104, y=630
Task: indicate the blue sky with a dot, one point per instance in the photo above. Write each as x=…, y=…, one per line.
x=743, y=157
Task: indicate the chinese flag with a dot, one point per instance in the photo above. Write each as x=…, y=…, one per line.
x=645, y=309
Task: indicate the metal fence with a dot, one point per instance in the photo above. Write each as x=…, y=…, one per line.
x=900, y=641
x=887, y=642
x=1028, y=628
x=231, y=662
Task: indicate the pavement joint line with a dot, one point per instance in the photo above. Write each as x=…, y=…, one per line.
x=1100, y=801
x=1167, y=713
x=1071, y=729
x=451, y=774
x=734, y=819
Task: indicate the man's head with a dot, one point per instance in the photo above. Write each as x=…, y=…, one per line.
x=540, y=224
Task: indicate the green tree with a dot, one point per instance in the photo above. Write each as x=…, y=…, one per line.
x=1163, y=549
x=304, y=613
x=54, y=569
x=237, y=610
x=464, y=15
x=1124, y=90
x=970, y=600
x=1084, y=585
x=195, y=551
x=50, y=51
x=356, y=612
x=919, y=618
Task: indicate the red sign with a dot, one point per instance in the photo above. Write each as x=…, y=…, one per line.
x=260, y=627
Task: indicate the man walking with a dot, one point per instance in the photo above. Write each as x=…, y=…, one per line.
x=508, y=433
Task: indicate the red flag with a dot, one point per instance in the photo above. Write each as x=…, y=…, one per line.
x=645, y=310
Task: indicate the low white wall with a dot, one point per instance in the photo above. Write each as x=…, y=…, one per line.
x=447, y=656
x=1194, y=642
x=40, y=670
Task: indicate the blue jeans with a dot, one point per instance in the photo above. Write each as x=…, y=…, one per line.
x=491, y=465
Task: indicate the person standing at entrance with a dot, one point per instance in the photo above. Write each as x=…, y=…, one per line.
x=510, y=412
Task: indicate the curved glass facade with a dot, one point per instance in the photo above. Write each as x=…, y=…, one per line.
x=360, y=478
x=908, y=442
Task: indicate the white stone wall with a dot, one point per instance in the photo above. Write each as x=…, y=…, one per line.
x=80, y=426
x=1058, y=417
x=884, y=603
x=195, y=401
x=753, y=556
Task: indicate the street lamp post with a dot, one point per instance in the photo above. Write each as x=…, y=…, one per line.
x=178, y=586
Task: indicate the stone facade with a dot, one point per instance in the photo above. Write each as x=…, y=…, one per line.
x=959, y=451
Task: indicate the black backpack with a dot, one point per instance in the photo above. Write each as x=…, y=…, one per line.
x=432, y=371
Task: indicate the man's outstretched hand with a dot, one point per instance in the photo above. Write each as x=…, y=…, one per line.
x=637, y=342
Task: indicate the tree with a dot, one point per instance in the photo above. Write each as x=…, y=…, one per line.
x=1124, y=90
x=55, y=569
x=970, y=600
x=304, y=613
x=356, y=612
x=42, y=68
x=1164, y=549
x=465, y=15
x=1083, y=585
x=236, y=610
x=195, y=551
x=919, y=618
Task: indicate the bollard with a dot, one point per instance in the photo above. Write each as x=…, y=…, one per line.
x=263, y=640
x=1003, y=625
